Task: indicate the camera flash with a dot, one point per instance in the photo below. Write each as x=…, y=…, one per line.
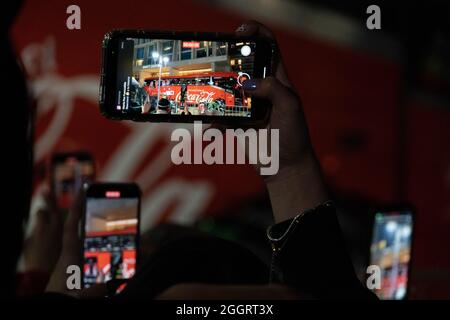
x=246, y=50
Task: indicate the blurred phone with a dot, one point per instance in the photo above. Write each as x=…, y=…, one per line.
x=69, y=171
x=182, y=76
x=110, y=232
x=391, y=250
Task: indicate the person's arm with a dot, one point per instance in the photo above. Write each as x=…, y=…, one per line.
x=41, y=249
x=71, y=255
x=310, y=253
x=297, y=188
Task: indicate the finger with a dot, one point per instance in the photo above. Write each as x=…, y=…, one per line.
x=49, y=199
x=272, y=89
x=254, y=28
x=42, y=218
x=76, y=211
x=281, y=74
x=71, y=239
x=54, y=214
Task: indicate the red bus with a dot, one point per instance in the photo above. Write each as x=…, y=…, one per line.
x=201, y=88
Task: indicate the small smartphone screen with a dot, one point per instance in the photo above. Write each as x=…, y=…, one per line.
x=391, y=251
x=110, y=243
x=184, y=77
x=69, y=174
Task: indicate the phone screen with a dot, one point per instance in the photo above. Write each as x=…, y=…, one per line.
x=391, y=251
x=69, y=174
x=110, y=242
x=184, y=77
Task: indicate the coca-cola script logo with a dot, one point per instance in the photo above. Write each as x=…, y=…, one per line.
x=197, y=96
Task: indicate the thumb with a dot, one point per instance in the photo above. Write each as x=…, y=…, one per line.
x=272, y=89
x=42, y=218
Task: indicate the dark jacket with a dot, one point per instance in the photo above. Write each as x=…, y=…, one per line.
x=312, y=257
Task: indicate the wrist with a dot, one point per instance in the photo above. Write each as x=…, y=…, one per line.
x=296, y=188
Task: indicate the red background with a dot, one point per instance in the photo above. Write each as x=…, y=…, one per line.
x=345, y=92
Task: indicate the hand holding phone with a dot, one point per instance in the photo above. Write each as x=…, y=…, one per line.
x=108, y=241
x=110, y=232
x=71, y=251
x=68, y=172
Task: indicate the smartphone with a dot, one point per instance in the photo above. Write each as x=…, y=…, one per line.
x=390, y=250
x=68, y=172
x=164, y=76
x=110, y=232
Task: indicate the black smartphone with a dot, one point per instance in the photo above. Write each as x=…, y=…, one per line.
x=164, y=76
x=390, y=250
x=110, y=232
x=68, y=172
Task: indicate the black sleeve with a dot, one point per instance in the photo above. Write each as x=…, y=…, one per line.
x=311, y=256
